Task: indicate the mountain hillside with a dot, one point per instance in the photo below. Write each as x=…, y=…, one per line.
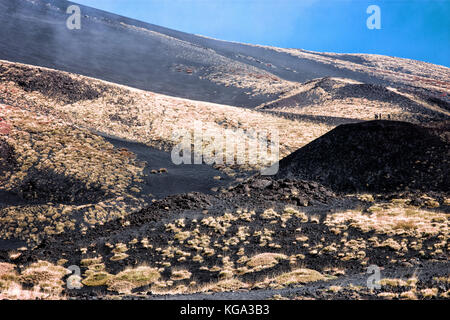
x=91, y=121
x=377, y=156
x=161, y=60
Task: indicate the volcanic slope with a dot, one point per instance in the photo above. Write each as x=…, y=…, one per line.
x=152, y=119
x=263, y=234
x=149, y=57
x=338, y=101
x=376, y=156
x=142, y=116
x=75, y=186
x=61, y=171
x=112, y=110
x=260, y=234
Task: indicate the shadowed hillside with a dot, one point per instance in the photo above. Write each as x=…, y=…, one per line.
x=377, y=156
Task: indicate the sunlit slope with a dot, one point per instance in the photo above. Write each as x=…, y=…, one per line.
x=161, y=60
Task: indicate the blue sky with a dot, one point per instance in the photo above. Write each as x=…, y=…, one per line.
x=416, y=29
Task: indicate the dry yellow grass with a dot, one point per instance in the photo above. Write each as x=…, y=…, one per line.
x=180, y=275
x=129, y=279
x=46, y=144
x=91, y=261
x=299, y=276
x=399, y=282
x=232, y=284
x=405, y=71
x=8, y=276
x=43, y=278
x=393, y=220
x=154, y=119
x=294, y=277
x=96, y=278
x=265, y=260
